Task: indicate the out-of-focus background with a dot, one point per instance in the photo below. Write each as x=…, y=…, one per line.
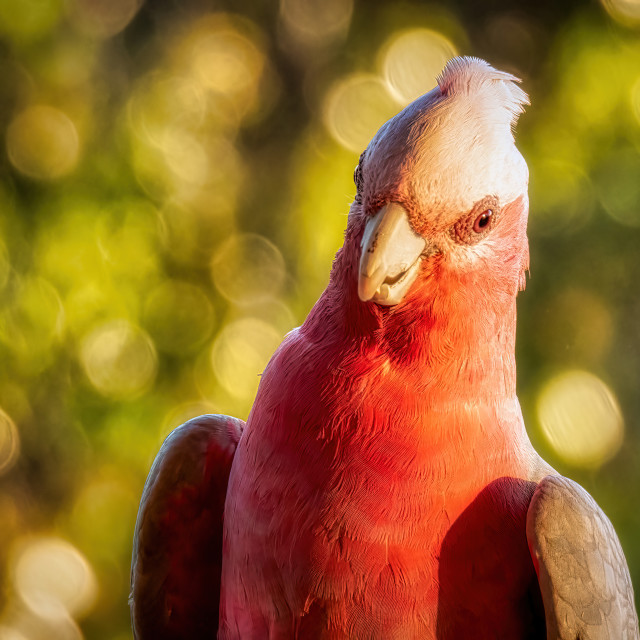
x=174, y=182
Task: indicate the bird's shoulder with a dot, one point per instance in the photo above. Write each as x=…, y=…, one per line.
x=582, y=571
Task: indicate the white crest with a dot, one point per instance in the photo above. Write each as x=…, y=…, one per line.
x=474, y=77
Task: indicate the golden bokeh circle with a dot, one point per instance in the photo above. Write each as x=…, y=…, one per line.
x=119, y=359
x=247, y=268
x=355, y=108
x=42, y=143
x=580, y=418
x=412, y=60
x=316, y=23
x=53, y=578
x=240, y=353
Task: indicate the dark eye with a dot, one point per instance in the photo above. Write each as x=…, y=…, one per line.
x=357, y=177
x=473, y=226
x=483, y=221
x=357, y=174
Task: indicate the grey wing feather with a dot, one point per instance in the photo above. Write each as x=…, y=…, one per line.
x=583, y=575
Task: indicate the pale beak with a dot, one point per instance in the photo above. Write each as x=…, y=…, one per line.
x=391, y=256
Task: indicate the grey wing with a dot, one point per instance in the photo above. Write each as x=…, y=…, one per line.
x=177, y=546
x=582, y=571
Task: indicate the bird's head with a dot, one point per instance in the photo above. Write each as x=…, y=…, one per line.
x=442, y=189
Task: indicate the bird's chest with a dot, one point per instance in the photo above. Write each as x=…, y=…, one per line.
x=383, y=537
x=442, y=553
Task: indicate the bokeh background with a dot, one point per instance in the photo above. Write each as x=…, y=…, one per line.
x=174, y=182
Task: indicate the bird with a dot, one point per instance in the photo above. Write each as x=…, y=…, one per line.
x=384, y=485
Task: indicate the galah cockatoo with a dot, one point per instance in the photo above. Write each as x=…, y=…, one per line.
x=384, y=485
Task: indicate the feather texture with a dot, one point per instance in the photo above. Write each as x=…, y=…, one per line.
x=583, y=575
x=473, y=76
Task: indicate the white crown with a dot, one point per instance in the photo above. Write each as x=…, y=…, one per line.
x=475, y=78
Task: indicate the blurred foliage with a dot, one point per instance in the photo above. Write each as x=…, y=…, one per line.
x=174, y=185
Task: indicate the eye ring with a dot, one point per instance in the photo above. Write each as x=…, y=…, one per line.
x=483, y=221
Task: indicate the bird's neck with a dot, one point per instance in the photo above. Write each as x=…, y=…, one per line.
x=452, y=339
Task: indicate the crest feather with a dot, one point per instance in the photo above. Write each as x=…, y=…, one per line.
x=469, y=76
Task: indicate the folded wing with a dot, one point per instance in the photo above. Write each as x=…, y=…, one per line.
x=583, y=574
x=177, y=547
